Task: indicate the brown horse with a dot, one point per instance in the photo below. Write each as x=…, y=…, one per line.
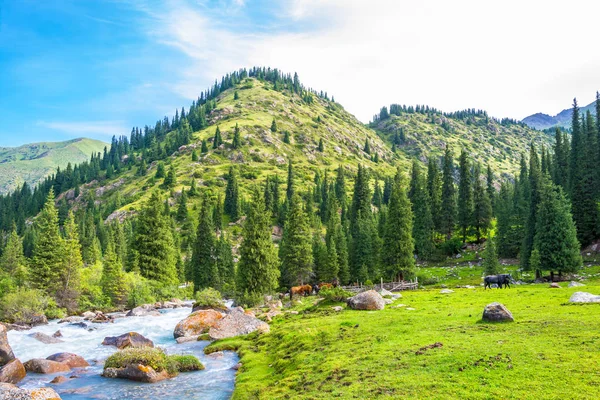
x=303, y=290
x=325, y=286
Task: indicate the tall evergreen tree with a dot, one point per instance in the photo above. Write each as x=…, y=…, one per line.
x=236, y=143
x=465, y=194
x=232, y=196
x=217, y=215
x=290, y=183
x=72, y=263
x=491, y=190
x=448, y=203
x=112, y=280
x=535, y=176
x=398, y=244
x=273, y=126
x=482, y=206
x=182, y=211
x=434, y=187
x=225, y=265
x=218, y=139
x=12, y=261
x=491, y=266
x=206, y=273
x=423, y=227
x=295, y=251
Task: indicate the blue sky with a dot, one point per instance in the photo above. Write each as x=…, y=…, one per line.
x=90, y=68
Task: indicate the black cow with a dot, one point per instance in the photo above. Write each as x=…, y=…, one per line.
x=502, y=280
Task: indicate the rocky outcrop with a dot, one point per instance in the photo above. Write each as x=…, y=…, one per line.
x=496, y=312
x=43, y=366
x=369, y=300
x=584, y=297
x=12, y=372
x=70, y=359
x=143, y=311
x=236, y=323
x=9, y=391
x=197, y=323
x=6, y=353
x=138, y=373
x=131, y=339
x=46, y=339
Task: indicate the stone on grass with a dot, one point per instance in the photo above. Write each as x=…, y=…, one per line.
x=13, y=372
x=197, y=323
x=396, y=296
x=46, y=339
x=496, y=312
x=388, y=301
x=131, y=339
x=6, y=353
x=369, y=300
x=70, y=359
x=446, y=291
x=337, y=308
x=584, y=297
x=575, y=284
x=236, y=323
x=43, y=366
x=554, y=285
x=385, y=293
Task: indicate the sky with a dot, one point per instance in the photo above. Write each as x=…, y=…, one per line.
x=90, y=68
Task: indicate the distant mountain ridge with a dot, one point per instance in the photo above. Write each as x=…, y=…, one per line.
x=32, y=162
x=562, y=119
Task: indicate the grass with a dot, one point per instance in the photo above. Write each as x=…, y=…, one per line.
x=549, y=352
x=155, y=358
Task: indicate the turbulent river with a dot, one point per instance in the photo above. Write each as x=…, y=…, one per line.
x=215, y=382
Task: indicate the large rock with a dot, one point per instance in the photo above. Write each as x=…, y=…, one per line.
x=138, y=373
x=131, y=339
x=43, y=366
x=385, y=293
x=219, y=307
x=46, y=339
x=9, y=391
x=197, y=323
x=71, y=319
x=12, y=372
x=369, y=300
x=70, y=359
x=236, y=323
x=584, y=297
x=496, y=312
x=6, y=353
x=143, y=311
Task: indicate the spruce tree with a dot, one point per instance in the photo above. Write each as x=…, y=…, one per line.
x=340, y=186
x=193, y=191
x=204, y=147
x=217, y=215
x=491, y=190
x=71, y=266
x=273, y=126
x=225, y=265
x=286, y=137
x=482, y=206
x=194, y=156
x=232, y=196
x=434, y=189
x=182, y=211
x=556, y=236
x=465, y=194
x=46, y=265
x=295, y=251
x=217, y=140
x=171, y=178
x=236, y=143
x=112, y=280
x=448, y=196
x=423, y=227
x=491, y=266
x=507, y=239
x=160, y=170
x=12, y=261
x=289, y=192
x=367, y=147
x=153, y=244
x=576, y=149
x=205, y=269
x=398, y=244
x=534, y=176
x=258, y=268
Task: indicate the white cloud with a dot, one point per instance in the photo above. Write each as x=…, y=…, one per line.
x=85, y=128
x=512, y=58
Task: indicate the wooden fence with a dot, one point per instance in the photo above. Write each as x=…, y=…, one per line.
x=390, y=286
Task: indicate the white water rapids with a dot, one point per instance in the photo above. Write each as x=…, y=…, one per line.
x=215, y=382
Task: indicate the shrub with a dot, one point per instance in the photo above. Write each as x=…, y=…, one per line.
x=335, y=294
x=451, y=247
x=92, y=297
x=140, y=290
x=209, y=298
x=150, y=357
x=186, y=363
x=22, y=305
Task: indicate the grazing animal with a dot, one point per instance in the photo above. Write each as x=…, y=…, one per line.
x=502, y=280
x=325, y=285
x=303, y=290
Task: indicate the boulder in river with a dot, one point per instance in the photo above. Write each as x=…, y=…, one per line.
x=12, y=372
x=369, y=300
x=46, y=339
x=236, y=323
x=43, y=366
x=71, y=319
x=197, y=323
x=70, y=359
x=131, y=339
x=8, y=391
x=143, y=311
x=138, y=373
x=584, y=297
x=6, y=353
x=496, y=312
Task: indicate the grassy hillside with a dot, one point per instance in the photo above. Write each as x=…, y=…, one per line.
x=485, y=139
x=31, y=163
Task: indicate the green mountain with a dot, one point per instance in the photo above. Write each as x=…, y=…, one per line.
x=31, y=163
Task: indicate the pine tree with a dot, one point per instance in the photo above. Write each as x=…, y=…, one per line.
x=491, y=266
x=556, y=236
x=217, y=140
x=423, y=227
x=182, y=211
x=194, y=156
x=160, y=170
x=535, y=176
x=113, y=279
x=236, y=95
x=577, y=149
x=491, y=190
x=12, y=261
x=482, y=206
x=319, y=255
x=232, y=196
x=225, y=265
x=321, y=147
x=398, y=244
x=295, y=251
x=507, y=240
x=434, y=189
x=336, y=239
x=72, y=263
x=46, y=265
x=340, y=186
x=205, y=269
x=236, y=143
x=465, y=194
x=258, y=268
x=153, y=244
x=171, y=178
x=367, y=147
x=193, y=192
x=448, y=203
x=217, y=215
x=204, y=147
x=286, y=137
x=273, y=126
